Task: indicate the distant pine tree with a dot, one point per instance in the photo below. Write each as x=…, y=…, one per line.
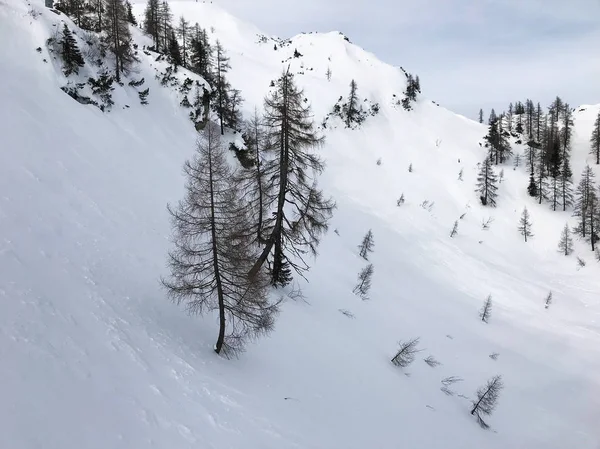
x=487, y=184
x=118, y=38
x=565, y=245
x=201, y=54
x=366, y=245
x=130, y=17
x=583, y=199
x=480, y=115
x=525, y=224
x=595, y=140
x=221, y=86
x=486, y=310
x=493, y=117
x=69, y=52
x=183, y=33
x=364, y=282
x=352, y=106
x=152, y=21
x=174, y=51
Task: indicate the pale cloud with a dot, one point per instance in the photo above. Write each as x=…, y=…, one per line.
x=468, y=53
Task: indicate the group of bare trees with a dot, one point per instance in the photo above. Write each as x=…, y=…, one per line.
x=238, y=231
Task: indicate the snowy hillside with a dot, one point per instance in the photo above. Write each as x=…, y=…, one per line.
x=93, y=355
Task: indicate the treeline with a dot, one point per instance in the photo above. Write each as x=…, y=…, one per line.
x=188, y=46
x=548, y=136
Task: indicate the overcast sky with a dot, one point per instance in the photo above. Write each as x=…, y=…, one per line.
x=467, y=53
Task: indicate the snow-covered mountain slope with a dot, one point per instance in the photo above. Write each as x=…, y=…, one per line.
x=93, y=355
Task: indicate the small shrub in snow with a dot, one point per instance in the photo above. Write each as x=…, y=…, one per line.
x=410, y=168
x=448, y=382
x=144, y=96
x=487, y=398
x=346, y=313
x=400, y=201
x=486, y=310
x=432, y=361
x=136, y=83
x=406, y=353
x=548, y=300
x=454, y=229
x=460, y=174
x=485, y=224
x=379, y=161
x=580, y=262
x=494, y=356
x=102, y=88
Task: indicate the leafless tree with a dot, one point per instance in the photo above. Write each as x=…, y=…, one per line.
x=487, y=398
x=213, y=250
x=486, y=310
x=366, y=245
x=406, y=353
x=364, y=282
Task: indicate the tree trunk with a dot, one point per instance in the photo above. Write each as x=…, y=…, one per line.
x=221, y=337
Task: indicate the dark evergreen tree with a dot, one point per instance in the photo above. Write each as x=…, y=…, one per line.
x=566, y=184
x=118, y=37
x=555, y=172
x=487, y=184
x=530, y=114
x=352, y=105
x=539, y=119
x=565, y=245
x=183, y=32
x=213, y=251
x=509, y=117
x=493, y=117
x=541, y=184
x=410, y=94
x=366, y=246
x=233, y=114
x=69, y=52
x=173, y=51
x=499, y=148
x=221, y=86
x=165, y=27
x=525, y=224
x=532, y=187
x=152, y=21
x=582, y=208
x=130, y=16
x=299, y=210
x=481, y=116
x=487, y=398
x=201, y=53
x=364, y=282
x=595, y=140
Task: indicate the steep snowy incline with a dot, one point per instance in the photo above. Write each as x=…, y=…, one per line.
x=94, y=356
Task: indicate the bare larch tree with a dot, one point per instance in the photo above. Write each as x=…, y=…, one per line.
x=487, y=398
x=214, y=249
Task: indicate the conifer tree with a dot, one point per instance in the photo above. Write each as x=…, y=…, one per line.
x=69, y=52
x=130, y=16
x=364, y=282
x=252, y=179
x=406, y=353
x=565, y=245
x=566, y=184
x=299, y=210
x=493, y=118
x=539, y=117
x=222, y=86
x=201, y=53
x=213, y=251
x=582, y=208
x=487, y=184
x=530, y=113
x=174, y=52
x=118, y=37
x=366, y=246
x=183, y=32
x=165, y=27
x=525, y=224
x=548, y=300
x=595, y=140
x=152, y=21
x=555, y=171
x=352, y=108
x=541, y=184
x=499, y=148
x=486, y=310
x=480, y=115
x=233, y=114
x=487, y=398
x=328, y=73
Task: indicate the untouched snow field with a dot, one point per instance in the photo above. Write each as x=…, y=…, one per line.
x=92, y=355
